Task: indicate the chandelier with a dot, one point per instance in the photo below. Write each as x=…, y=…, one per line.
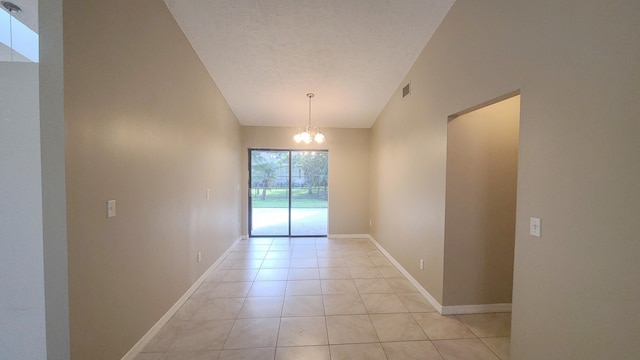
x=309, y=134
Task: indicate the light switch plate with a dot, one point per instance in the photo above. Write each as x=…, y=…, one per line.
x=534, y=226
x=111, y=208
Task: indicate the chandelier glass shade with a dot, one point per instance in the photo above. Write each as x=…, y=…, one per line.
x=309, y=134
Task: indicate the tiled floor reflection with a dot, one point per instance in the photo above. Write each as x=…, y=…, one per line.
x=319, y=299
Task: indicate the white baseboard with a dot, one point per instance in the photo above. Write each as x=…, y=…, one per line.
x=348, y=236
x=475, y=309
x=443, y=310
x=411, y=279
x=131, y=354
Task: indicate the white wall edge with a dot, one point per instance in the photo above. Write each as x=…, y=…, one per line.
x=475, y=309
x=137, y=348
x=404, y=272
x=348, y=236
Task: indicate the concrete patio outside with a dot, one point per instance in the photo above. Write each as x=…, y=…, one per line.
x=274, y=221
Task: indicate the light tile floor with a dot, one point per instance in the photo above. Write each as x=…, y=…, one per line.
x=319, y=299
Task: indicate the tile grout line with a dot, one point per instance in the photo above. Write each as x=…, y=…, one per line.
x=236, y=317
x=284, y=297
x=324, y=308
x=353, y=251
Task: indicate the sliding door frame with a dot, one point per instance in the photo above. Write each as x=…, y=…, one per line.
x=250, y=195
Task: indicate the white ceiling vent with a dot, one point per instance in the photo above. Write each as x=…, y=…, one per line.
x=406, y=90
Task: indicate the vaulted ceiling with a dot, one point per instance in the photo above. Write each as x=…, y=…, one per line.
x=265, y=56
x=28, y=14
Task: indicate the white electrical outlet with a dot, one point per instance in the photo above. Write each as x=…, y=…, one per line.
x=421, y=264
x=208, y=193
x=199, y=256
x=370, y=222
x=111, y=208
x=535, y=226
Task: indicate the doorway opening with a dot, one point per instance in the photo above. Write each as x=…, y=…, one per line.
x=288, y=193
x=480, y=204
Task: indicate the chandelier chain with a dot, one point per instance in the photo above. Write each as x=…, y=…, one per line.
x=309, y=109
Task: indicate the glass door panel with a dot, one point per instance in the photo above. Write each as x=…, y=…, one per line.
x=309, y=193
x=269, y=193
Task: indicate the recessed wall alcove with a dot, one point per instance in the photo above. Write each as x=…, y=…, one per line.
x=480, y=212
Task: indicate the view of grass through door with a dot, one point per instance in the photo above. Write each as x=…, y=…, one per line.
x=288, y=193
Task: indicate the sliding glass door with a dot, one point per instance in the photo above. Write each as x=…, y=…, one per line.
x=269, y=193
x=288, y=193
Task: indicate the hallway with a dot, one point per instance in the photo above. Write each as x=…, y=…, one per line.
x=319, y=298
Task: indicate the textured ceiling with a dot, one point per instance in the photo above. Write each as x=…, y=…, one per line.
x=265, y=56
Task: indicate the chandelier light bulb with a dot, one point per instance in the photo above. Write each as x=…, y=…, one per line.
x=306, y=137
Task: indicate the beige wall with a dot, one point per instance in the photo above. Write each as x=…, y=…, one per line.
x=145, y=126
x=576, y=292
x=348, y=172
x=480, y=205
